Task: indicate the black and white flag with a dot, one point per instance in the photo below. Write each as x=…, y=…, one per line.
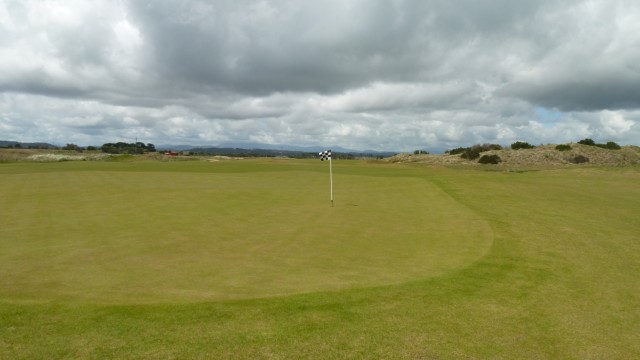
x=325, y=155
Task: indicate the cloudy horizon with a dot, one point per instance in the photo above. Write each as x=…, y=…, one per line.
x=382, y=75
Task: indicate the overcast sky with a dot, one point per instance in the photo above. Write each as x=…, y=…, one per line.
x=368, y=74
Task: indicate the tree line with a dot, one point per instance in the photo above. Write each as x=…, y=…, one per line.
x=127, y=148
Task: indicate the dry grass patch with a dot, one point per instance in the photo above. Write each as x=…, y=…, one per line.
x=48, y=155
x=541, y=156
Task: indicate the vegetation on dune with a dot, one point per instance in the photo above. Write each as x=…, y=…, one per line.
x=470, y=154
x=577, y=159
x=609, y=145
x=490, y=159
x=473, y=152
x=521, y=145
x=522, y=154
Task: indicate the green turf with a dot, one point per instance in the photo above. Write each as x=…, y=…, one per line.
x=109, y=236
x=245, y=259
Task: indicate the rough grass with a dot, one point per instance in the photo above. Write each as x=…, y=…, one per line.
x=543, y=156
x=48, y=155
x=559, y=281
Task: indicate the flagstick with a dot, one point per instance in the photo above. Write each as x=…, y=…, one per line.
x=326, y=155
x=331, y=180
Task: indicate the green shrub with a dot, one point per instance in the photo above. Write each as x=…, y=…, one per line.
x=490, y=159
x=521, y=145
x=478, y=148
x=470, y=154
x=609, y=145
x=455, y=151
x=486, y=147
x=612, y=146
x=587, y=141
x=563, y=147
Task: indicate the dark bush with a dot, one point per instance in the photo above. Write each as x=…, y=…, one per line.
x=486, y=147
x=490, y=159
x=72, y=147
x=470, y=154
x=475, y=148
x=521, y=145
x=455, y=151
x=563, y=147
x=587, y=141
x=612, y=146
x=578, y=159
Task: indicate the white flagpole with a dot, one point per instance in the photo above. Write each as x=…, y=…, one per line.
x=324, y=155
x=331, y=180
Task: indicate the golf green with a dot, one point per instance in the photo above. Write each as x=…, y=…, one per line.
x=143, y=232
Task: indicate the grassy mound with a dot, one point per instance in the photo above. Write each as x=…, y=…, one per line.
x=540, y=156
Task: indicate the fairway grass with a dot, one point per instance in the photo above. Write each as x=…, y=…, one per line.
x=246, y=259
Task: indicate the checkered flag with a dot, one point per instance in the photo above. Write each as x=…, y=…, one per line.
x=325, y=155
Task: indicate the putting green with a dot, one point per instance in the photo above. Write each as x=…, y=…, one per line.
x=157, y=232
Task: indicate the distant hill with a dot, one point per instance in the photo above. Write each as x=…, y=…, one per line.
x=256, y=149
x=26, y=145
x=282, y=152
x=232, y=147
x=249, y=145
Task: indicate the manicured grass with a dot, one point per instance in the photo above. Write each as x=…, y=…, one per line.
x=201, y=231
x=245, y=259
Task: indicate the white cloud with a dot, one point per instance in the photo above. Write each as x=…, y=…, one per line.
x=387, y=96
x=614, y=123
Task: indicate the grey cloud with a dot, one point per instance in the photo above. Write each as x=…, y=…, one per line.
x=581, y=94
x=593, y=62
x=293, y=46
